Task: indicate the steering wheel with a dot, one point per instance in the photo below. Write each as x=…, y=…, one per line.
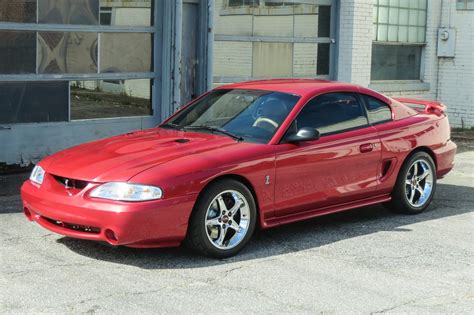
x=265, y=121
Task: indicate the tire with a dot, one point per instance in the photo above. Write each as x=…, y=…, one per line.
x=410, y=194
x=223, y=219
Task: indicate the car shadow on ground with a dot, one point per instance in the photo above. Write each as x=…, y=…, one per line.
x=450, y=200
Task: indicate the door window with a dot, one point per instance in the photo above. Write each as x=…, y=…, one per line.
x=332, y=113
x=378, y=111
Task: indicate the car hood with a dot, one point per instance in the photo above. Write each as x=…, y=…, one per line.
x=121, y=157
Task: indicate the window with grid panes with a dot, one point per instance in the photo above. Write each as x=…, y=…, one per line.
x=465, y=4
x=65, y=60
x=399, y=37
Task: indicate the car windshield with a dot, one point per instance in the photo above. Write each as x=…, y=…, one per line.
x=248, y=115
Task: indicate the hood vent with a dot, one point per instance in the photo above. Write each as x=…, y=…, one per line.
x=182, y=140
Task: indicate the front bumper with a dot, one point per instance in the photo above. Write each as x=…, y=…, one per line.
x=159, y=223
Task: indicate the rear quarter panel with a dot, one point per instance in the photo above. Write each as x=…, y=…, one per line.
x=401, y=137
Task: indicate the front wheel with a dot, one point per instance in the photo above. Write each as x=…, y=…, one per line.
x=415, y=186
x=223, y=219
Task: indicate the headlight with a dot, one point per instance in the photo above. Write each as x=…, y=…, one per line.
x=127, y=192
x=37, y=175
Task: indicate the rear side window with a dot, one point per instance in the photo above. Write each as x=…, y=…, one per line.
x=332, y=113
x=378, y=111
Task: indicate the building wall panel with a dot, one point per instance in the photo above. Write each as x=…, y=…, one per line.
x=278, y=25
x=232, y=58
x=272, y=60
x=304, y=59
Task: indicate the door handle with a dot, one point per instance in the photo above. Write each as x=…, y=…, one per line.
x=366, y=147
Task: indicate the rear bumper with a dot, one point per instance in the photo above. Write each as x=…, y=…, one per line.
x=159, y=223
x=445, y=158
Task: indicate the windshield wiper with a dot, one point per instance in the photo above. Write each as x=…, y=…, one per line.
x=171, y=126
x=214, y=129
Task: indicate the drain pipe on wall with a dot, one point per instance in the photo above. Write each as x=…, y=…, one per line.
x=438, y=84
x=178, y=34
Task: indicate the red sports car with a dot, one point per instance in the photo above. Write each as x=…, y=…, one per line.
x=242, y=156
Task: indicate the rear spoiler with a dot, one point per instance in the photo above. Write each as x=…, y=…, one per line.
x=429, y=107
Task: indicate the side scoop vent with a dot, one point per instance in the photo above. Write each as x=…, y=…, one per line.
x=388, y=166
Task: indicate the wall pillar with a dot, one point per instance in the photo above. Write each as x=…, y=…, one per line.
x=355, y=41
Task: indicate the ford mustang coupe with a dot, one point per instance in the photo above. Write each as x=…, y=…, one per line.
x=245, y=156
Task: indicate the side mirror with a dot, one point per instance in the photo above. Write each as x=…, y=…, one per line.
x=304, y=134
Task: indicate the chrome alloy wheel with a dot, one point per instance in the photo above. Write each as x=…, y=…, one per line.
x=419, y=183
x=227, y=219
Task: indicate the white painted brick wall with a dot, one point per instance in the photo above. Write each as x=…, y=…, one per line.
x=232, y=59
x=355, y=41
x=263, y=59
x=273, y=25
x=304, y=59
x=430, y=60
x=456, y=75
x=131, y=16
x=451, y=80
x=306, y=25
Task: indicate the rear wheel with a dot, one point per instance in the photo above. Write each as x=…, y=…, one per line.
x=416, y=184
x=223, y=220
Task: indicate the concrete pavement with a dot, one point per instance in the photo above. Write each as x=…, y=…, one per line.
x=367, y=260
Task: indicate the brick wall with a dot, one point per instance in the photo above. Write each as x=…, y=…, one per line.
x=429, y=73
x=355, y=41
x=456, y=75
x=244, y=59
x=448, y=80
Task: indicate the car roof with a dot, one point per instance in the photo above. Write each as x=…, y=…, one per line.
x=293, y=86
x=304, y=87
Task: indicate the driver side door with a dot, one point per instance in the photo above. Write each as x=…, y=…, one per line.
x=339, y=167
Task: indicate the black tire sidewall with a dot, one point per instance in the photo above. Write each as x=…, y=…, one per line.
x=204, y=246
x=399, y=195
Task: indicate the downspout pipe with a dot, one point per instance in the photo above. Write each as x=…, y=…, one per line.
x=178, y=35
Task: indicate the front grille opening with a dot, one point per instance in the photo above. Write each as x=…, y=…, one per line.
x=70, y=183
x=74, y=227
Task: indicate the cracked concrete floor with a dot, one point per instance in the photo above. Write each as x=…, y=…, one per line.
x=367, y=260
